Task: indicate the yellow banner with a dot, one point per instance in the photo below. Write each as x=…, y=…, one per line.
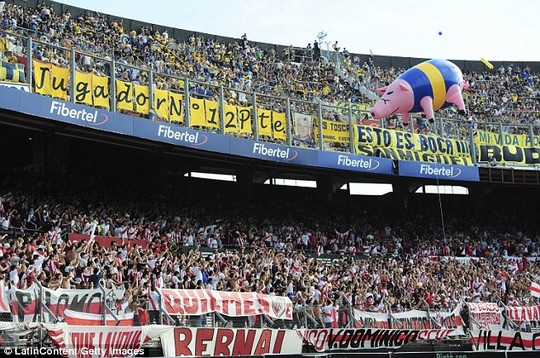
x=510, y=154
x=279, y=124
x=196, y=112
x=100, y=91
x=124, y=95
x=42, y=77
x=245, y=120
x=142, y=99
x=405, y=144
x=83, y=88
x=356, y=108
x=176, y=107
x=333, y=132
x=404, y=154
x=161, y=103
x=211, y=111
x=60, y=80
x=231, y=119
x=521, y=140
x=264, y=122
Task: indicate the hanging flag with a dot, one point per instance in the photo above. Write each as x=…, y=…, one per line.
x=535, y=290
x=12, y=72
x=487, y=63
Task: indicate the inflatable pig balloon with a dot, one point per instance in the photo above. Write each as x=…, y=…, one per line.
x=426, y=87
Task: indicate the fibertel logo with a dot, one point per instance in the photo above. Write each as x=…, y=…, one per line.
x=368, y=164
x=449, y=172
x=182, y=135
x=287, y=154
x=90, y=117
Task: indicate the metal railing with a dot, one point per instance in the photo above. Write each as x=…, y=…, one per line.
x=222, y=95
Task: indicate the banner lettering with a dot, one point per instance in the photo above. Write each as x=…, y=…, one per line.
x=102, y=341
x=264, y=122
x=413, y=319
x=235, y=304
x=25, y=305
x=161, y=103
x=211, y=114
x=42, y=77
x=83, y=88
x=333, y=132
x=485, y=315
x=142, y=99
x=100, y=91
x=124, y=95
x=324, y=340
x=60, y=80
x=487, y=340
x=509, y=154
x=176, y=107
x=227, y=342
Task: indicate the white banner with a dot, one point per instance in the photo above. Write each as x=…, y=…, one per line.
x=100, y=341
x=183, y=341
x=487, y=340
x=25, y=307
x=521, y=314
x=235, y=304
x=414, y=319
x=324, y=340
x=485, y=315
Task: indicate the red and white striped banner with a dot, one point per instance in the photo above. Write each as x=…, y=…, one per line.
x=101, y=341
x=90, y=319
x=488, y=340
x=234, y=304
x=535, y=289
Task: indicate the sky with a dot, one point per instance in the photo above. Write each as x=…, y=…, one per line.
x=460, y=29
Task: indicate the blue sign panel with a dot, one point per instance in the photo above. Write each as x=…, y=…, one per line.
x=183, y=136
x=273, y=152
x=10, y=98
x=438, y=171
x=359, y=163
x=77, y=114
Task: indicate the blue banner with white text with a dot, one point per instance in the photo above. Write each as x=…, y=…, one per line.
x=438, y=171
x=359, y=163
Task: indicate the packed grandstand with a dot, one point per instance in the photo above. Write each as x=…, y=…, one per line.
x=210, y=255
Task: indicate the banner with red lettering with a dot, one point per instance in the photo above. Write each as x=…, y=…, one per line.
x=413, y=319
x=90, y=319
x=485, y=315
x=106, y=241
x=487, y=340
x=330, y=339
x=235, y=304
x=102, y=341
x=524, y=315
x=25, y=305
x=183, y=341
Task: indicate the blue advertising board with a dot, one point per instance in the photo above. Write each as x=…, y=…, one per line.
x=273, y=152
x=359, y=163
x=95, y=118
x=178, y=135
x=438, y=171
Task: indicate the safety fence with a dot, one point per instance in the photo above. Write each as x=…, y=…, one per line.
x=303, y=121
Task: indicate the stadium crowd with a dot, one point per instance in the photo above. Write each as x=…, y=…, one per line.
x=382, y=260
x=508, y=95
x=400, y=262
